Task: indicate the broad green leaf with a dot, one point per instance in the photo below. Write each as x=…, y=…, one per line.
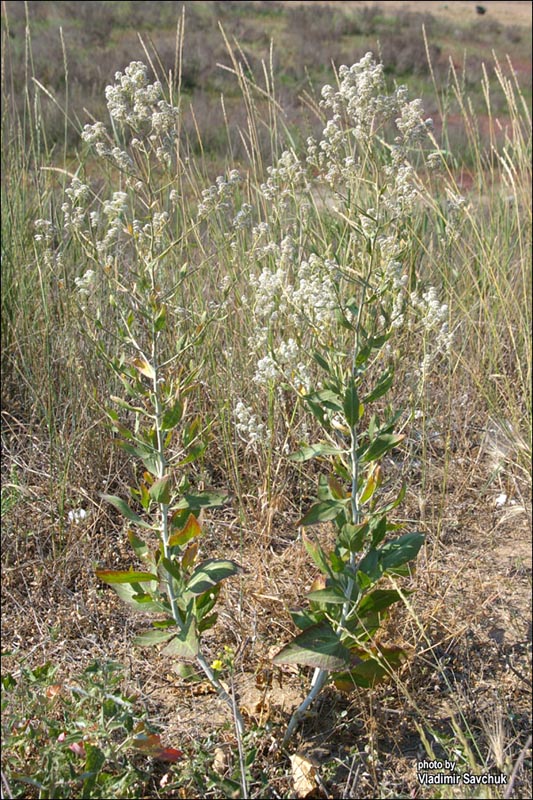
x=205, y=500
x=401, y=550
x=195, y=451
x=172, y=567
x=314, y=451
x=160, y=320
x=142, y=602
x=322, y=512
x=160, y=491
x=125, y=510
x=94, y=761
x=185, y=644
x=317, y=554
x=317, y=646
x=139, y=547
x=304, y=619
x=381, y=445
x=370, y=671
x=378, y=600
x=112, y=576
x=207, y=622
x=172, y=416
x=149, y=638
x=326, y=398
x=351, y=404
x=379, y=529
x=209, y=573
x=327, y=596
x=352, y=537
x=370, y=569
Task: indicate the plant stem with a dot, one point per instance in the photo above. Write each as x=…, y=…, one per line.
x=319, y=679
x=164, y=509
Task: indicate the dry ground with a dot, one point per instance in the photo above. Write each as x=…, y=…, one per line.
x=468, y=632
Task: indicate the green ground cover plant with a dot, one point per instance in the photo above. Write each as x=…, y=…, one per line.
x=232, y=352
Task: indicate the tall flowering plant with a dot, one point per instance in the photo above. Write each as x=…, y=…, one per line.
x=341, y=279
x=133, y=295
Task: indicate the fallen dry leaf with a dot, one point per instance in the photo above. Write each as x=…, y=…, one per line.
x=221, y=760
x=303, y=775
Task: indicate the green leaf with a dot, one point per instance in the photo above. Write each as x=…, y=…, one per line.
x=370, y=569
x=185, y=644
x=381, y=445
x=381, y=387
x=321, y=360
x=314, y=451
x=125, y=510
x=160, y=491
x=370, y=671
x=172, y=567
x=379, y=529
x=205, y=500
x=327, y=596
x=304, y=619
x=328, y=398
x=350, y=404
x=317, y=646
x=352, y=537
x=378, y=600
x=160, y=320
x=322, y=512
x=132, y=595
x=401, y=550
x=112, y=576
x=317, y=554
x=209, y=573
x=150, y=638
x=207, y=622
x=94, y=761
x=172, y=416
x=139, y=547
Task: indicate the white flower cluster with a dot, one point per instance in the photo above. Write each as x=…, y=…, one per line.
x=361, y=113
x=243, y=218
x=285, y=178
x=455, y=213
x=85, y=286
x=314, y=293
x=247, y=425
x=434, y=322
x=45, y=231
x=218, y=195
x=74, y=207
x=132, y=99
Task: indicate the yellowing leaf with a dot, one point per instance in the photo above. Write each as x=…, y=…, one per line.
x=144, y=368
